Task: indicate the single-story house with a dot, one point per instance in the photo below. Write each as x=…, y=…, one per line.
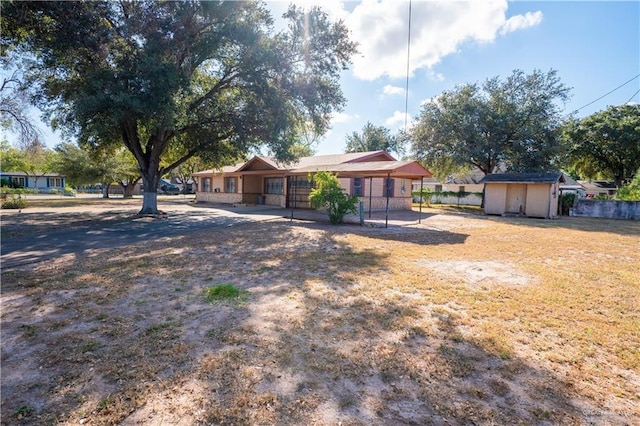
x=570, y=186
x=42, y=182
x=378, y=179
x=523, y=194
x=598, y=188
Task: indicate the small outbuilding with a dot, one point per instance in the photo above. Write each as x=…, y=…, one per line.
x=522, y=194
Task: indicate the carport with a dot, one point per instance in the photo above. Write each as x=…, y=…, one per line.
x=386, y=171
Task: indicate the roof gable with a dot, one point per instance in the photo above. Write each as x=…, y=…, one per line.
x=259, y=163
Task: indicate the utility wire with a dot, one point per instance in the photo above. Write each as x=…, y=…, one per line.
x=406, y=90
x=608, y=93
x=633, y=96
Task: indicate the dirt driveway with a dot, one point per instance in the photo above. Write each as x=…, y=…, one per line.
x=41, y=233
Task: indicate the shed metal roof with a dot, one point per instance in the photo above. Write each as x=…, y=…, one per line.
x=523, y=178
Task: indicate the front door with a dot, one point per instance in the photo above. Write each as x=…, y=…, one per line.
x=516, y=198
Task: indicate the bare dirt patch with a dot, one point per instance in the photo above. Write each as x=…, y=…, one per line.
x=481, y=273
x=340, y=325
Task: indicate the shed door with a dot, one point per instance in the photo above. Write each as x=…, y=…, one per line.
x=516, y=198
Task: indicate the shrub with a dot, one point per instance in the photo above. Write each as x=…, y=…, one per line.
x=567, y=202
x=630, y=192
x=13, y=202
x=424, y=197
x=330, y=195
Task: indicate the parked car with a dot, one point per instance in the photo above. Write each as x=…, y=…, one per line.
x=169, y=189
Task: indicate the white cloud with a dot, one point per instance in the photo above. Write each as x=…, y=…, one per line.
x=342, y=117
x=396, y=121
x=520, y=22
x=392, y=90
x=438, y=29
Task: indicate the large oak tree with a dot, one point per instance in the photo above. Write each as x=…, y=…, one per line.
x=512, y=122
x=374, y=138
x=207, y=78
x=605, y=143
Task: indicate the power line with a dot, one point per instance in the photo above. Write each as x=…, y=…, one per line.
x=406, y=90
x=608, y=93
x=632, y=96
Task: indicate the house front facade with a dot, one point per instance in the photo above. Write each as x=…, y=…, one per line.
x=378, y=179
x=45, y=182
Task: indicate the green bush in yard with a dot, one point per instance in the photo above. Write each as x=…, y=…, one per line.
x=330, y=195
x=13, y=202
x=567, y=201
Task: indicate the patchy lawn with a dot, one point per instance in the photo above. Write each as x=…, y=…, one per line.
x=461, y=320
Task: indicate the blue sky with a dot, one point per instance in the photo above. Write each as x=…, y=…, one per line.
x=594, y=46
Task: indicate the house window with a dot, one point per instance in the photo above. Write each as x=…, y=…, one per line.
x=438, y=188
x=18, y=181
x=206, y=184
x=54, y=182
x=231, y=184
x=389, y=185
x=357, y=188
x=273, y=186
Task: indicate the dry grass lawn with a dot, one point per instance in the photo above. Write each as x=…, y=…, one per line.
x=461, y=320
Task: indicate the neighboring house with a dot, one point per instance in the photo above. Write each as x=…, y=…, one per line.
x=45, y=182
x=570, y=186
x=523, y=194
x=598, y=188
x=375, y=177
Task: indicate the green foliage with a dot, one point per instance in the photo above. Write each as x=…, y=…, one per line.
x=567, y=202
x=630, y=192
x=212, y=79
x=424, y=196
x=330, y=195
x=437, y=196
x=374, y=138
x=223, y=292
x=512, y=122
x=605, y=144
x=13, y=202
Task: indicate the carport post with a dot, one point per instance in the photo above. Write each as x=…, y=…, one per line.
x=370, y=190
x=386, y=215
x=290, y=196
x=421, y=184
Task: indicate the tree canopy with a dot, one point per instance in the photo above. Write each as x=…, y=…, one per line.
x=14, y=107
x=202, y=77
x=513, y=122
x=606, y=143
x=374, y=138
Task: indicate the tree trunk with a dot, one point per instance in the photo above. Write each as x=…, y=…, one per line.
x=105, y=191
x=150, y=192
